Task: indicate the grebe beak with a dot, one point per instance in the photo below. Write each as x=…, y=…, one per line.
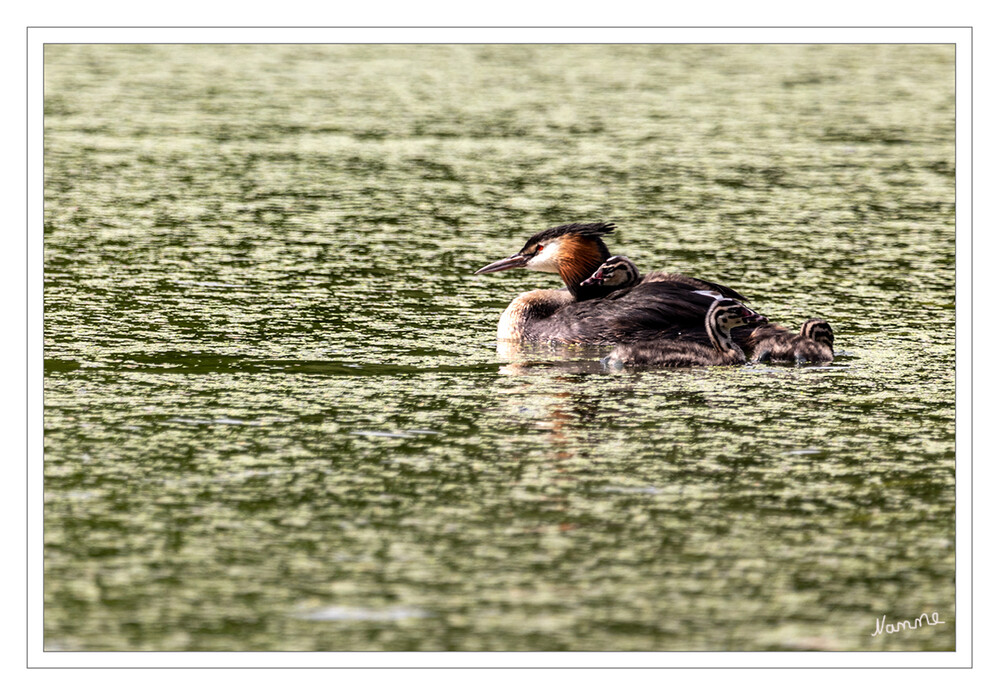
x=756, y=318
x=593, y=279
x=517, y=260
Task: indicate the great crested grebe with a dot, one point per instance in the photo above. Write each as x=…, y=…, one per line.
x=723, y=315
x=814, y=343
x=594, y=312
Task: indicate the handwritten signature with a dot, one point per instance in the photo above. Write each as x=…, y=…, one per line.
x=884, y=626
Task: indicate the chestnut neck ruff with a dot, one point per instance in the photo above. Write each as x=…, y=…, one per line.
x=579, y=259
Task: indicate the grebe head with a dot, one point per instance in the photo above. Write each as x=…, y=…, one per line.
x=727, y=313
x=818, y=330
x=724, y=314
x=617, y=272
x=574, y=251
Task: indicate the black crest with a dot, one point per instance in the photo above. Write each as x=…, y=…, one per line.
x=583, y=229
x=589, y=230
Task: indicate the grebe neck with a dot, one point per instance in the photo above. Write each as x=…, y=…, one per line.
x=719, y=335
x=579, y=259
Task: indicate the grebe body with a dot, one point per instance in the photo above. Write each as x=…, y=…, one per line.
x=723, y=315
x=653, y=311
x=813, y=343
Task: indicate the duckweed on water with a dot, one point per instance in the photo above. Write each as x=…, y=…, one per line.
x=276, y=418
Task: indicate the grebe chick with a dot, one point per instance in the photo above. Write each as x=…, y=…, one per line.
x=814, y=343
x=617, y=272
x=723, y=315
x=592, y=312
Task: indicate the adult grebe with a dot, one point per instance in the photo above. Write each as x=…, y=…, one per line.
x=814, y=343
x=595, y=312
x=723, y=316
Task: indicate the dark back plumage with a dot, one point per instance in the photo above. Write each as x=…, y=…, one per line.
x=722, y=316
x=678, y=280
x=645, y=312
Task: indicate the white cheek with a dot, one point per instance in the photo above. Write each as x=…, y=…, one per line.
x=545, y=261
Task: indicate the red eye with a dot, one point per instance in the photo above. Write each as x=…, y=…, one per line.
x=540, y=248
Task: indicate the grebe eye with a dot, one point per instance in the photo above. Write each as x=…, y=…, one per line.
x=539, y=249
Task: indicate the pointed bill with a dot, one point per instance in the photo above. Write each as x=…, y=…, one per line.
x=515, y=261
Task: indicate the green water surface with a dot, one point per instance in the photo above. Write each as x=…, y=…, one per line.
x=275, y=413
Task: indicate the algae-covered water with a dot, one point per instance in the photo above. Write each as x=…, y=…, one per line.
x=275, y=413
